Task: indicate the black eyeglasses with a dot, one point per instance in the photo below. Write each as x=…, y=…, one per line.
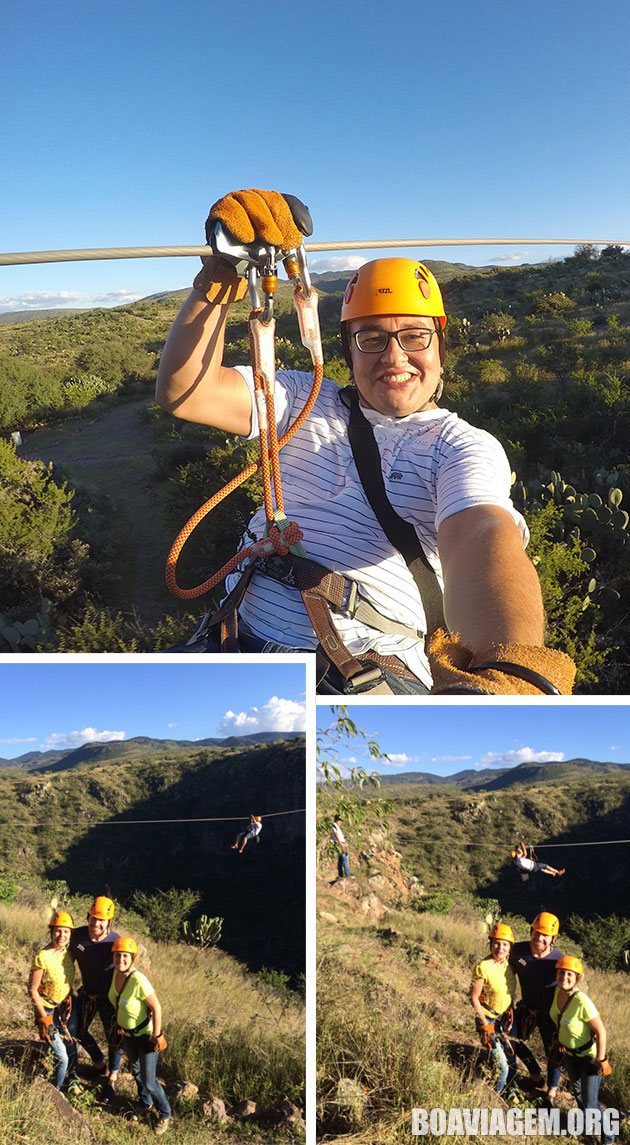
x=410, y=339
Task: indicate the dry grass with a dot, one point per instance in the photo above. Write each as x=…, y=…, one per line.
x=232, y=1036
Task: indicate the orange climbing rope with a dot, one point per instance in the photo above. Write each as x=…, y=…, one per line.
x=279, y=538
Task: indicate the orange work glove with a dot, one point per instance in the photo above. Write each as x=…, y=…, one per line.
x=486, y=1033
x=159, y=1042
x=604, y=1067
x=219, y=282
x=44, y=1025
x=256, y=216
x=503, y=669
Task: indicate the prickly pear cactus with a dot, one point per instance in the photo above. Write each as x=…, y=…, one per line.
x=204, y=932
x=26, y=635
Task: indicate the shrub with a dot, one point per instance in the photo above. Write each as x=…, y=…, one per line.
x=38, y=555
x=8, y=890
x=165, y=911
x=492, y=372
x=439, y=902
x=603, y=940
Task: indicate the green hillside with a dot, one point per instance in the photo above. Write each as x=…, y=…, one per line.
x=460, y=840
x=539, y=355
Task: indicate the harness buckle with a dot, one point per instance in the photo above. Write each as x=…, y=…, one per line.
x=364, y=680
x=350, y=597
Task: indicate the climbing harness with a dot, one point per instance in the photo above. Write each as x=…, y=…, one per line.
x=117, y=1033
x=531, y=855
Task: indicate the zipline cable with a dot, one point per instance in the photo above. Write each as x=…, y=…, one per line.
x=216, y=819
x=21, y=258
x=545, y=846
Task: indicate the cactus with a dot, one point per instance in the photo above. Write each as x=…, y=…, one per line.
x=204, y=932
x=26, y=635
x=586, y=517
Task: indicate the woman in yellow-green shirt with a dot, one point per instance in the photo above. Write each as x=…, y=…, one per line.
x=139, y=1018
x=492, y=997
x=581, y=1034
x=50, y=987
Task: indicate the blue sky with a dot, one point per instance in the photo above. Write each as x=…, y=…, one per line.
x=122, y=122
x=49, y=705
x=446, y=739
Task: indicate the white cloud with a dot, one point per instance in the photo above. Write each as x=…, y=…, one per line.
x=338, y=262
x=520, y=755
x=17, y=739
x=76, y=739
x=171, y=725
x=277, y=715
x=514, y=259
x=64, y=299
x=615, y=747
x=399, y=759
x=450, y=758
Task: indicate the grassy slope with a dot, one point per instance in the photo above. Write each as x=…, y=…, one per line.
x=112, y=452
x=395, y=1019
x=228, y=1033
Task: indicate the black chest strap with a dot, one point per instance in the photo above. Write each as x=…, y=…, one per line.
x=400, y=533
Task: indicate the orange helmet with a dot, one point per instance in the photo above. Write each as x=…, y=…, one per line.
x=128, y=945
x=393, y=286
x=546, y=923
x=62, y=918
x=568, y=962
x=388, y=286
x=102, y=907
x=503, y=932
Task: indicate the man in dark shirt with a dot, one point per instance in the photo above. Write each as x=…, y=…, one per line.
x=91, y=947
x=534, y=963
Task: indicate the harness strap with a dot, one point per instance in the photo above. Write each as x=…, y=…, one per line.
x=339, y=590
x=226, y=615
x=141, y=1025
x=400, y=533
x=319, y=588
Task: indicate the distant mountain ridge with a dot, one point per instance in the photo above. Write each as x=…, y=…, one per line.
x=100, y=752
x=491, y=779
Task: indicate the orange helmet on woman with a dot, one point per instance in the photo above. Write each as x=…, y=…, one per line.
x=569, y=962
x=124, y=944
x=502, y=931
x=62, y=918
x=389, y=286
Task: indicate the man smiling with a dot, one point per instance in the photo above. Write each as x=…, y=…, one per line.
x=446, y=483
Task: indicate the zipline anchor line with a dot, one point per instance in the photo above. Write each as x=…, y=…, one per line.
x=216, y=819
x=95, y=254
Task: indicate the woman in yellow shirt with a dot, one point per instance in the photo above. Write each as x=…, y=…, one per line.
x=50, y=987
x=492, y=996
x=139, y=1018
x=581, y=1035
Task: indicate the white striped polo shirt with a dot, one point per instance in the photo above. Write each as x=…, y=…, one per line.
x=434, y=465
